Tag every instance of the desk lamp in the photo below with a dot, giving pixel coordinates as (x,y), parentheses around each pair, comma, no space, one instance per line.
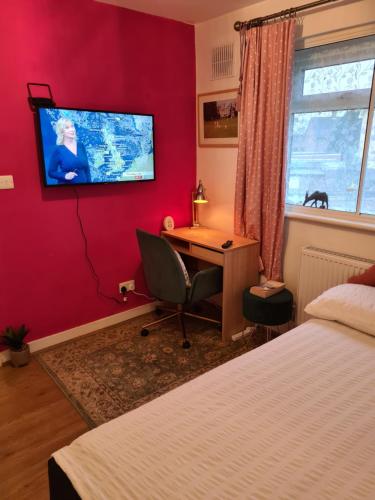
(198,197)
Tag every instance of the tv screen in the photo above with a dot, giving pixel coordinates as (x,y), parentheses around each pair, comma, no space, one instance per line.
(93,147)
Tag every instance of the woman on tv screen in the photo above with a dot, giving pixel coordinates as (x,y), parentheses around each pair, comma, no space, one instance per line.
(68,163)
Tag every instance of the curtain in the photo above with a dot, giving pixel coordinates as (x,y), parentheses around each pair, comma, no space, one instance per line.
(261,163)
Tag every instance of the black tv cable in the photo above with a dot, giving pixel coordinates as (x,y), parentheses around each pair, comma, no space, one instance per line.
(88,259)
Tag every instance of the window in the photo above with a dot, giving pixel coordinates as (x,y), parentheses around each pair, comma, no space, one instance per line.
(331,129)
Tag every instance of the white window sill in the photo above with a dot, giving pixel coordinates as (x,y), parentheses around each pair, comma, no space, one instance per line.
(331,217)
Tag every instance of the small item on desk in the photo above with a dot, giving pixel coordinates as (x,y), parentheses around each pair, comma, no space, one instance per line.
(168,223)
(267,289)
(227,244)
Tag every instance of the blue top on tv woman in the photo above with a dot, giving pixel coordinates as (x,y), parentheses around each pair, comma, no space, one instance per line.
(68,163)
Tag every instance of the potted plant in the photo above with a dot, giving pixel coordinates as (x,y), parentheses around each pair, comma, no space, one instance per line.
(14,339)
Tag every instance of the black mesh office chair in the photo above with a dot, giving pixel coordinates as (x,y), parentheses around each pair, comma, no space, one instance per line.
(166,280)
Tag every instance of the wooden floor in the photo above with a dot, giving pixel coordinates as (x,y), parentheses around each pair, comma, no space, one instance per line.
(35,420)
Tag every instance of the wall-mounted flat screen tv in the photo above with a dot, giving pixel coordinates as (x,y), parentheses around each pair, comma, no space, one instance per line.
(80,146)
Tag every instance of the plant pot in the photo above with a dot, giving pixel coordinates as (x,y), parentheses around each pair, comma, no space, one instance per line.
(21,357)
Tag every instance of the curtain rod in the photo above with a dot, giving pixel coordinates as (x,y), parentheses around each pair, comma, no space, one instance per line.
(288,12)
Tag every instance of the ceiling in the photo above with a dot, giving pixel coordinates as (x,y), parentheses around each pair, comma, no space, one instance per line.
(187,11)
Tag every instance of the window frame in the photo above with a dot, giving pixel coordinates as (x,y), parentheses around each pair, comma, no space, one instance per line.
(355,219)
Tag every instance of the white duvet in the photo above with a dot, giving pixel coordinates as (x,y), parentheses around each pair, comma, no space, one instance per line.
(293,419)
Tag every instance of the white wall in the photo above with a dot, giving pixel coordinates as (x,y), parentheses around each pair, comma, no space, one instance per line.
(217,166)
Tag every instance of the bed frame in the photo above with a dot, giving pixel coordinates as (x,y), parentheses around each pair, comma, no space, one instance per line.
(60,487)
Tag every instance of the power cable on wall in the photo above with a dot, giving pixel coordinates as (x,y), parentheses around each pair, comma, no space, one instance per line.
(88,259)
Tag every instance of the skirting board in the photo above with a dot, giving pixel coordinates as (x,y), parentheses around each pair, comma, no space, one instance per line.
(57,338)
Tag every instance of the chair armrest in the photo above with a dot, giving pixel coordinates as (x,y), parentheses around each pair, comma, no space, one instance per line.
(206,283)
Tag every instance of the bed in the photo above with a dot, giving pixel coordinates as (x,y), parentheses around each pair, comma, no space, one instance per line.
(292,419)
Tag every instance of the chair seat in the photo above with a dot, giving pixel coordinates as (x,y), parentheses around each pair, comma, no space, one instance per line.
(274,310)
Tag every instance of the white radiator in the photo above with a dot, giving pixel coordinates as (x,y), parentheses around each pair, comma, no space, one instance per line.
(323,269)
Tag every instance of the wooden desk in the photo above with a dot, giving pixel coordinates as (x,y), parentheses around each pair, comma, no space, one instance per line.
(239,262)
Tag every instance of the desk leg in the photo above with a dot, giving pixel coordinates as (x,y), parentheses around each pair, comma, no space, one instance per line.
(240,271)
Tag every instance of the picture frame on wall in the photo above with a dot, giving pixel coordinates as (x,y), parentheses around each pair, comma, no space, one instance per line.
(218,119)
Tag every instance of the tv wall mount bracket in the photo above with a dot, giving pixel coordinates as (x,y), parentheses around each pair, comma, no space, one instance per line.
(37,102)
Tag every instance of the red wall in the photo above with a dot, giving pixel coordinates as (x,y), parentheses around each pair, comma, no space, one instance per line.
(94,56)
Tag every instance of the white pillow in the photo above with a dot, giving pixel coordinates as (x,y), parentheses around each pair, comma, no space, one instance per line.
(349,304)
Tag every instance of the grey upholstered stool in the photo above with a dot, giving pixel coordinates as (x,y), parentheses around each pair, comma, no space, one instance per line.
(272,311)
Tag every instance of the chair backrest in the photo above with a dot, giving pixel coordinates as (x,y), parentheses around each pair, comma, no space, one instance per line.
(164,276)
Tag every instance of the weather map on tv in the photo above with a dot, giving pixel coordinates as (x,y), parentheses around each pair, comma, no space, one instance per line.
(94,147)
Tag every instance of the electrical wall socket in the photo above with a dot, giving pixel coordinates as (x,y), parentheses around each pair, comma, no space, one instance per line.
(129,285)
(6,182)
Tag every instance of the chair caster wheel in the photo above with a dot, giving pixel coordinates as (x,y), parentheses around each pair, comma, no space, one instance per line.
(186,344)
(158,311)
(144,332)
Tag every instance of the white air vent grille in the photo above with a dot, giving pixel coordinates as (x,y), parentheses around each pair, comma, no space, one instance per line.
(222,61)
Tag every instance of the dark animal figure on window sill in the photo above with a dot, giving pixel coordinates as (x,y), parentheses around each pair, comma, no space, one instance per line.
(315,197)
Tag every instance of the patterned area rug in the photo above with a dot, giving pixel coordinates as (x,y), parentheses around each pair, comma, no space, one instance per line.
(112,371)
